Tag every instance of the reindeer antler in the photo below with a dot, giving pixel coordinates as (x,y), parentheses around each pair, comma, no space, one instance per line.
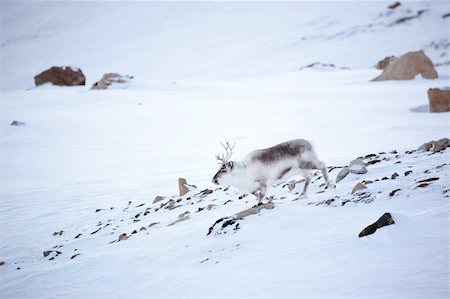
(228,152)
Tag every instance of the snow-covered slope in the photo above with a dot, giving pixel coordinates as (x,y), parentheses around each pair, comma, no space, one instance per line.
(206,72)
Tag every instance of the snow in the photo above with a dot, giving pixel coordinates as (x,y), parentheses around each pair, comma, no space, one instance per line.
(205,72)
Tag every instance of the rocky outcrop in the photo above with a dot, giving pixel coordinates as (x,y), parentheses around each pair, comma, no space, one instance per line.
(109,79)
(439,99)
(61,76)
(384,220)
(408,66)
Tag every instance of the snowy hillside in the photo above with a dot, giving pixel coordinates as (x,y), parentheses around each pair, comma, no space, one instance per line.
(78,180)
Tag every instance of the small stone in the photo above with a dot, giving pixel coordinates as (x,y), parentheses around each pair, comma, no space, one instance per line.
(394,5)
(358,187)
(123,237)
(423,185)
(18,123)
(2,263)
(408,172)
(46,253)
(74,256)
(394,175)
(393,192)
(357,166)
(158,198)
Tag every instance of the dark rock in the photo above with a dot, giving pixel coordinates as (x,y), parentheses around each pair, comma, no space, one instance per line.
(62,76)
(74,256)
(46,253)
(373,162)
(393,192)
(423,185)
(428,180)
(408,172)
(384,220)
(394,175)
(18,123)
(2,263)
(77,236)
(394,5)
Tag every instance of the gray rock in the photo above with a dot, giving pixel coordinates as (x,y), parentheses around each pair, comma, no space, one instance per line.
(441,144)
(357,166)
(342,174)
(18,123)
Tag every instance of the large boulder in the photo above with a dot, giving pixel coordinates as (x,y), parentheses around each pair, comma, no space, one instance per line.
(439,99)
(408,66)
(109,79)
(61,76)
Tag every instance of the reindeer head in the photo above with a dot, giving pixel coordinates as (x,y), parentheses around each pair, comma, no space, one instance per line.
(226,166)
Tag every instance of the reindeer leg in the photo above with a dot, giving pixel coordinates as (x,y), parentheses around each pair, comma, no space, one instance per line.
(307,175)
(322,167)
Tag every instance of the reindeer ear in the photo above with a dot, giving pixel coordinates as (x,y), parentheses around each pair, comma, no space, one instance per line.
(231,164)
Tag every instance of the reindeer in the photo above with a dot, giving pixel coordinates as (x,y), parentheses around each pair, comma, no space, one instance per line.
(264,166)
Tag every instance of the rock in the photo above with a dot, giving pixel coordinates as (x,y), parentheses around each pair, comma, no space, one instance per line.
(382,64)
(408,66)
(18,123)
(179,220)
(426,146)
(158,198)
(384,220)
(439,99)
(62,76)
(408,172)
(358,187)
(357,166)
(46,253)
(58,233)
(74,256)
(373,162)
(323,66)
(428,180)
(111,78)
(394,175)
(393,192)
(255,210)
(2,263)
(394,5)
(440,145)
(123,237)
(182,186)
(423,185)
(342,174)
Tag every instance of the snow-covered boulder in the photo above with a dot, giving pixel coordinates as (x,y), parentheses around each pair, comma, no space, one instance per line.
(111,79)
(357,166)
(62,76)
(408,66)
(439,99)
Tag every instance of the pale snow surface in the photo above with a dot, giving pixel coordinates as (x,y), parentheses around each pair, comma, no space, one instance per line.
(206,72)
